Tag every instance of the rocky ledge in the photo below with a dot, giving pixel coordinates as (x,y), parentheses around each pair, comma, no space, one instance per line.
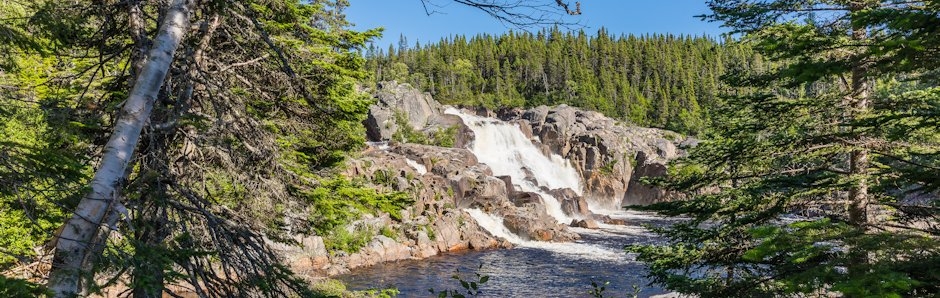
(610,155)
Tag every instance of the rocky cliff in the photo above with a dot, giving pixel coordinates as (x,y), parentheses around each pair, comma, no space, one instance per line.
(610,155)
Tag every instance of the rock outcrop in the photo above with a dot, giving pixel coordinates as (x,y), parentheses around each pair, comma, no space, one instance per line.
(420,110)
(605,152)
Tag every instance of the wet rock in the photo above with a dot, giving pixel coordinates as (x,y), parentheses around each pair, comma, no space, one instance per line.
(585,223)
(611,221)
(526,198)
(540,229)
(602,150)
(571,203)
(510,188)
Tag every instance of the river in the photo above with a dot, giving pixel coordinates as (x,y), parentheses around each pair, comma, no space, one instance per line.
(531,269)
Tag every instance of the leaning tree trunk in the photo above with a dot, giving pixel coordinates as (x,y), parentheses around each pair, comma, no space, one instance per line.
(75,242)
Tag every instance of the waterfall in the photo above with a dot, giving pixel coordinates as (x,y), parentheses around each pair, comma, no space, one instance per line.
(507,151)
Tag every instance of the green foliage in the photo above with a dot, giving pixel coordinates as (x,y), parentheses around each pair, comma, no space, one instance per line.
(331,288)
(45,139)
(341,239)
(470,287)
(651,80)
(388,232)
(597,290)
(803,184)
(11,287)
(262,108)
(444,137)
(608,168)
(430,231)
(406,133)
(337,201)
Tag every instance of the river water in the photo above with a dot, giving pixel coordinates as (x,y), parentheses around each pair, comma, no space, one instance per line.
(539,270)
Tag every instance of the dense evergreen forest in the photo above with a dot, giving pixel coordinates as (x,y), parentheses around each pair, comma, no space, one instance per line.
(658,80)
(160,146)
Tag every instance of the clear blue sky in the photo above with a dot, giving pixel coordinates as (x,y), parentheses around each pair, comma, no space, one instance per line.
(618,16)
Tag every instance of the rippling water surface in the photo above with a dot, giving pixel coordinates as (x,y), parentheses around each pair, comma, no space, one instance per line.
(530,270)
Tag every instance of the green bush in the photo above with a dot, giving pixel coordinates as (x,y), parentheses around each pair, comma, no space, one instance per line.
(338,201)
(388,232)
(341,239)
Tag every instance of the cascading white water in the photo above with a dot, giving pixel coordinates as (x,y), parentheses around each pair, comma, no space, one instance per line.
(494,225)
(507,151)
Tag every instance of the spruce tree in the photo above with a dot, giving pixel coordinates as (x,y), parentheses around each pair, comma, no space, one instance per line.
(795,189)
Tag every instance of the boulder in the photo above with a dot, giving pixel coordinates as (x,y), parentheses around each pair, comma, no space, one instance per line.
(585,223)
(424,246)
(418,107)
(611,221)
(380,124)
(639,193)
(541,228)
(571,203)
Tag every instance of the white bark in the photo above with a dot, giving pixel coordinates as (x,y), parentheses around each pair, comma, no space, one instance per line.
(78,235)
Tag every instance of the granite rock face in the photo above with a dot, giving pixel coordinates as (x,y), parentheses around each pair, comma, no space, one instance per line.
(418,107)
(610,156)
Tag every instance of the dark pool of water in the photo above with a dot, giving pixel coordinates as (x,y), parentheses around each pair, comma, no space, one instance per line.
(546,270)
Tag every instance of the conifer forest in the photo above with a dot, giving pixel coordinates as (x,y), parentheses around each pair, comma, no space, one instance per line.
(280,148)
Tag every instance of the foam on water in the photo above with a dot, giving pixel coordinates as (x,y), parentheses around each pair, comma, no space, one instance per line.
(420,168)
(494,225)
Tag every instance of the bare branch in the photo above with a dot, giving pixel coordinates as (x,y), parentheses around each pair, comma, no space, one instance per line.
(520,13)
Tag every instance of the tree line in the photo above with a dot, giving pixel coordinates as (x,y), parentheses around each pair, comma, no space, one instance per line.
(658,80)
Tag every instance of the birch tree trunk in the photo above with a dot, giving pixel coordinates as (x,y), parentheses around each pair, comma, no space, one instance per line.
(74,244)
